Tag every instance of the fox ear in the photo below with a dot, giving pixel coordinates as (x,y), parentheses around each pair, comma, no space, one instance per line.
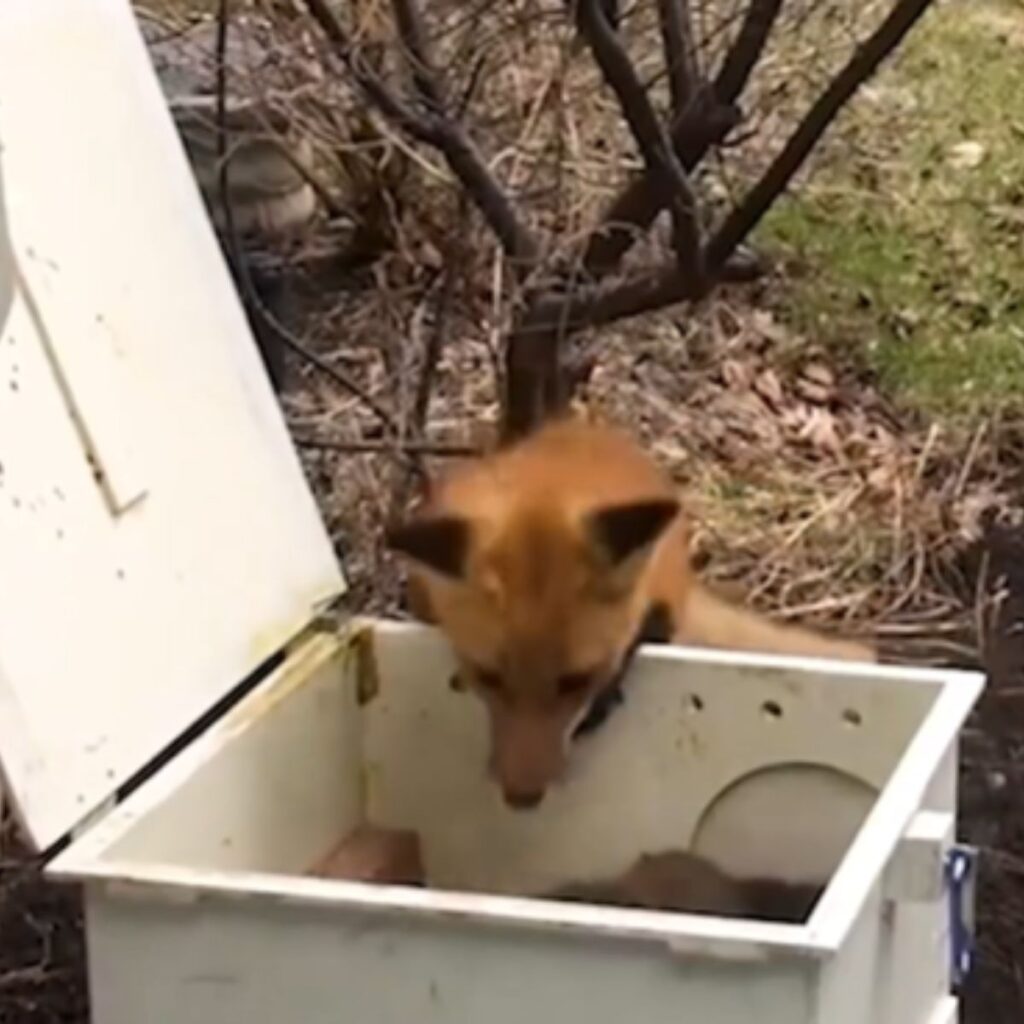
(439,543)
(620,532)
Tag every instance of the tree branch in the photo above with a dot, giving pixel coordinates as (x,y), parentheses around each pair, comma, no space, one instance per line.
(601,304)
(434,127)
(860,67)
(658,152)
(705,124)
(746,51)
(413,36)
(370,445)
(680,62)
(640,202)
(536,382)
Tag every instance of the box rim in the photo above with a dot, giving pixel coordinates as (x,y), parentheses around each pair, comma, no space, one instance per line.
(718,937)
(820,936)
(876,840)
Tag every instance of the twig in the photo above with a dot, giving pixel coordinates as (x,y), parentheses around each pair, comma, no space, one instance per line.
(705,123)
(413,36)
(861,66)
(370,445)
(709,118)
(677,41)
(432,350)
(659,154)
(237,257)
(535,384)
(434,127)
(602,304)
(746,51)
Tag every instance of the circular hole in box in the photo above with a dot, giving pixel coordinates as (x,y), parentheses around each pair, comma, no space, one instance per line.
(853,718)
(772,710)
(790,821)
(695,704)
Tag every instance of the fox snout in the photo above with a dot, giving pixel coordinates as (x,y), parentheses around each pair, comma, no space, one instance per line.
(528,755)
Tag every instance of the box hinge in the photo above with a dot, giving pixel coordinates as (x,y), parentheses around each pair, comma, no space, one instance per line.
(915,873)
(959,874)
(97,814)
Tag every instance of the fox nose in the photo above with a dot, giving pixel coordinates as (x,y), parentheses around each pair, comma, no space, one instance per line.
(523,800)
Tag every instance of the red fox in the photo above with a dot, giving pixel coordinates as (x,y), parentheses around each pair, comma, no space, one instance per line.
(546,564)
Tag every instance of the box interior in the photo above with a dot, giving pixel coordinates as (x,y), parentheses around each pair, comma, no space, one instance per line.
(767,770)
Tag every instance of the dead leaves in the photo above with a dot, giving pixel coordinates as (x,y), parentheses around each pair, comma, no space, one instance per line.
(760,402)
(819,430)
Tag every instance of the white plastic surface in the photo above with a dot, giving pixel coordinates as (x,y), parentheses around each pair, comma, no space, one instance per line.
(157,538)
(197,911)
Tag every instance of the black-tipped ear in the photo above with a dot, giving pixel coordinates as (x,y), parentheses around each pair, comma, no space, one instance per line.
(440,543)
(620,531)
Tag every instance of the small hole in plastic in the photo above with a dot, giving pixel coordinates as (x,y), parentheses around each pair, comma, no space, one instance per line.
(771,709)
(695,704)
(853,718)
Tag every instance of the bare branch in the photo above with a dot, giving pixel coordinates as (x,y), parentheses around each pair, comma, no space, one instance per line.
(365,78)
(537,382)
(861,66)
(658,152)
(640,202)
(236,257)
(374,445)
(746,51)
(413,36)
(680,62)
(705,124)
(433,127)
(649,290)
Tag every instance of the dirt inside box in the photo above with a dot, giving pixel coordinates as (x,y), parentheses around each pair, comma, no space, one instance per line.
(672,880)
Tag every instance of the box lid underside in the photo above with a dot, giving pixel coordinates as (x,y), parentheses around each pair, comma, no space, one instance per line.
(157,537)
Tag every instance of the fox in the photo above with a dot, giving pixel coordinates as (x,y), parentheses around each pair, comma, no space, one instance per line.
(546,564)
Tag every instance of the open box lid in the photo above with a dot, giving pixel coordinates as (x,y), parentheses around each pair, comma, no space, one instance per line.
(157,538)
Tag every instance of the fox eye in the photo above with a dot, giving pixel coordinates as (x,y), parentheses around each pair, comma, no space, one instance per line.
(487,679)
(573,683)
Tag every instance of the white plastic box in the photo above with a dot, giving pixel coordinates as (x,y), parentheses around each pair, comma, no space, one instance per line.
(158,544)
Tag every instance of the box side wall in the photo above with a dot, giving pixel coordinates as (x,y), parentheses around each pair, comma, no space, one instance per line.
(691,737)
(893,966)
(253,961)
(914,969)
(270,789)
(847,983)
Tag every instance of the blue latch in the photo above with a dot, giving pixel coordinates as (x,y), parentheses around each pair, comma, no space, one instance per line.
(959,872)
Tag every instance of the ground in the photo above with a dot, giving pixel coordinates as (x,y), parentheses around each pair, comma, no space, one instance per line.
(848,433)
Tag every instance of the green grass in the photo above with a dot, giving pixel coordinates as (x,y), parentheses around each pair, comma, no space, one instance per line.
(913,263)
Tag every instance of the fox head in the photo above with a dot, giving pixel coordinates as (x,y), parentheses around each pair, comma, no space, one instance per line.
(539,590)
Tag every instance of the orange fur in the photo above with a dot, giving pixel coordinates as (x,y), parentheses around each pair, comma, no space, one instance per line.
(540,563)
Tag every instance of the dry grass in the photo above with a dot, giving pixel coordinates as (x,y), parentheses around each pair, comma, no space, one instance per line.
(810,493)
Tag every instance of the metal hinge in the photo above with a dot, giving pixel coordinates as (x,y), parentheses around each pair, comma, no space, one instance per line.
(960,873)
